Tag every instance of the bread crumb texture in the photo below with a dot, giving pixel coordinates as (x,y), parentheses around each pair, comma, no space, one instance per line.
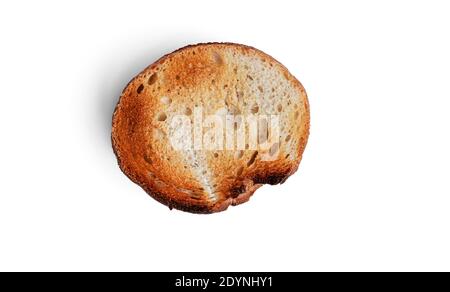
(221,79)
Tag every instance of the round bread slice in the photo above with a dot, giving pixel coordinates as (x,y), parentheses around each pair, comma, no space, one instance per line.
(167,125)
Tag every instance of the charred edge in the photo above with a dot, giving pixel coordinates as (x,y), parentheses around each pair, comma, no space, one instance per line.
(271,179)
(237,190)
(182,206)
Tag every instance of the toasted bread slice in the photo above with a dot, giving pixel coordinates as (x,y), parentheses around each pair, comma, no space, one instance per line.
(221,80)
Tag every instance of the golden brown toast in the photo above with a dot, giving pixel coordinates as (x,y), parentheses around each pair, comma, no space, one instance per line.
(221,80)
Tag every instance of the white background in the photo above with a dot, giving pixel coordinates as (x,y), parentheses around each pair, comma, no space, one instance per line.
(372,192)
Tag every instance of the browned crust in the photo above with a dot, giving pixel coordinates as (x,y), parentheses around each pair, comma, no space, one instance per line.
(239,191)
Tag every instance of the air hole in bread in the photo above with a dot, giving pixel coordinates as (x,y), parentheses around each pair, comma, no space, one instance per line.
(217,58)
(239,95)
(162,117)
(296,114)
(260,88)
(239,154)
(140,88)
(263,130)
(288,137)
(279,108)
(177,77)
(216,155)
(252,158)
(274,149)
(239,171)
(152,79)
(187,111)
(237,124)
(254,109)
(148,159)
(166,100)
(287,156)
(250,77)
